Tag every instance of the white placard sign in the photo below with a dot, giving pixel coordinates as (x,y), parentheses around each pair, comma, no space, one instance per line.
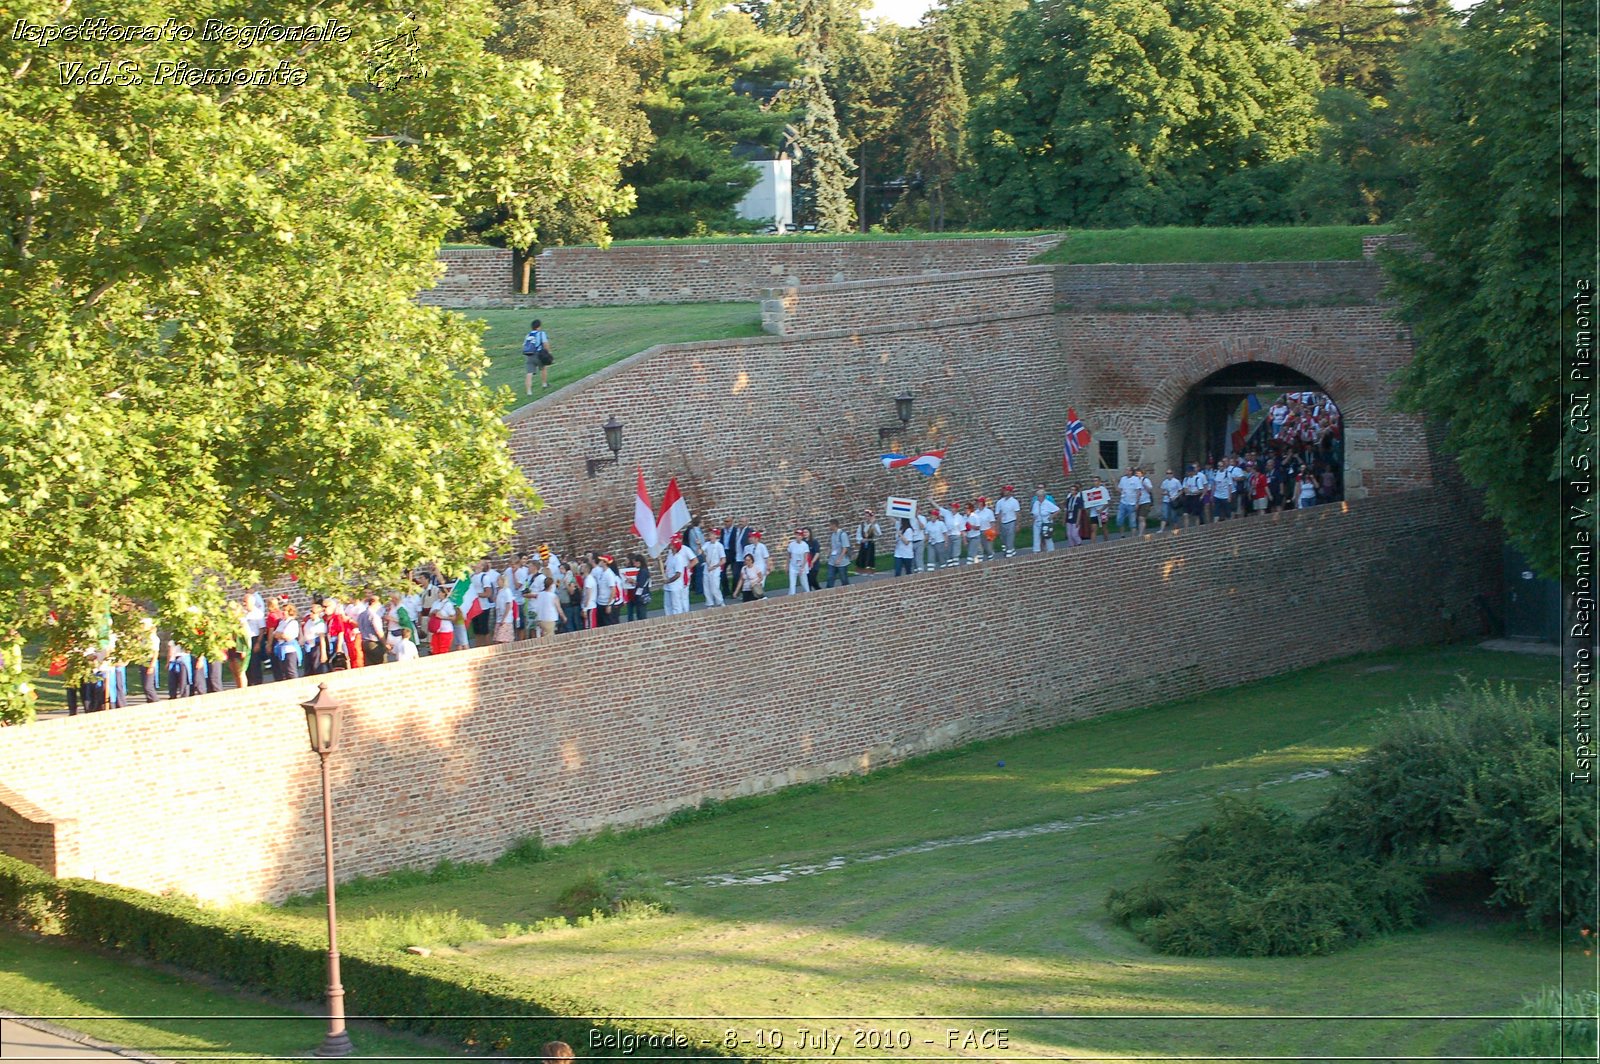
(898,507)
(1093,497)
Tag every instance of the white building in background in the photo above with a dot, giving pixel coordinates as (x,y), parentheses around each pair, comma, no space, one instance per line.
(772,198)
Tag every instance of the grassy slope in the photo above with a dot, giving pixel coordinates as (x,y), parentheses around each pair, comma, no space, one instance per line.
(1174,244)
(39,977)
(588,339)
(1015,926)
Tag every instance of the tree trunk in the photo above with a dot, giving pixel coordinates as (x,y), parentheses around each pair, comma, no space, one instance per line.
(861,188)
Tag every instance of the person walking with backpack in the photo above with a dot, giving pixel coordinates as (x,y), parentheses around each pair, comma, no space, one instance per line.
(536,354)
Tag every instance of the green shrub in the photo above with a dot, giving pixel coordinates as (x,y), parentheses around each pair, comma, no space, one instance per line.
(1253,882)
(470,1008)
(1537,1039)
(627,892)
(1476,781)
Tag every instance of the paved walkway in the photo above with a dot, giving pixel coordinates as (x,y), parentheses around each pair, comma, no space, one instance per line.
(38,1040)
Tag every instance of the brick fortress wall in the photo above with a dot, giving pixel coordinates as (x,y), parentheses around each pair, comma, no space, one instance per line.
(457,757)
(473,277)
(784,429)
(730,273)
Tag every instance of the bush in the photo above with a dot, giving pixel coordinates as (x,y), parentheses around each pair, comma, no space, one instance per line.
(1254,883)
(1537,1039)
(469,1008)
(625,892)
(1476,781)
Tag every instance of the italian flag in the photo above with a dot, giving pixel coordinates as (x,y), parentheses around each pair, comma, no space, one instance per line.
(469,604)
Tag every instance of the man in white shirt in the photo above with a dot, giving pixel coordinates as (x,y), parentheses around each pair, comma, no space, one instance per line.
(675,581)
(591,592)
(1171,502)
(1146,496)
(938,537)
(546,608)
(1006,511)
(1128,501)
(1044,510)
(979,521)
(714,556)
(255,619)
(919,542)
(955,530)
(1239,479)
(608,592)
(1222,492)
(1194,490)
(799,561)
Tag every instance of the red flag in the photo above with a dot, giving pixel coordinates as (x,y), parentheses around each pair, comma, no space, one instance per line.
(674,514)
(644,519)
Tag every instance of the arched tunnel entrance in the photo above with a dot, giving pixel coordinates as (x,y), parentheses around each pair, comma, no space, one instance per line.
(1264,411)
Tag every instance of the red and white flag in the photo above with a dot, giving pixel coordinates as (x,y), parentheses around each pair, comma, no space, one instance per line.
(644,518)
(674,514)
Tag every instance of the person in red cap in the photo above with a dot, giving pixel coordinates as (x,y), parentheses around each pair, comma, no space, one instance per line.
(675,579)
(1006,510)
(983,520)
(763,556)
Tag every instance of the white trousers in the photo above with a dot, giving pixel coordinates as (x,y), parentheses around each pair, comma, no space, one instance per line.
(676,598)
(712,586)
(797,577)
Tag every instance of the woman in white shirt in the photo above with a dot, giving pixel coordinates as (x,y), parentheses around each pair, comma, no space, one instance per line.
(505,614)
(905,551)
(443,627)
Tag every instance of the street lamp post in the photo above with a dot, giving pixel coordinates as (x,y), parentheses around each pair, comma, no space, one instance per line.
(322,721)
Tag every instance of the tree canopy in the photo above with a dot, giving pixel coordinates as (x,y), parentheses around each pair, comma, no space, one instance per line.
(209,350)
(1120,112)
(1504,219)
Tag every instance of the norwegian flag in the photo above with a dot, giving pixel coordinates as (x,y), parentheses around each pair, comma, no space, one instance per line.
(1076,440)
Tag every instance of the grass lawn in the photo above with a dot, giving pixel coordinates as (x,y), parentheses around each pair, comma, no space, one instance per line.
(76,987)
(588,339)
(1310,243)
(883,896)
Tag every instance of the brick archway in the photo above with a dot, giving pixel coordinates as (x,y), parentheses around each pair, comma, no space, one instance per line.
(1354,396)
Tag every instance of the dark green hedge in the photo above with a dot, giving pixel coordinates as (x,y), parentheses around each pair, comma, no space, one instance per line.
(429,998)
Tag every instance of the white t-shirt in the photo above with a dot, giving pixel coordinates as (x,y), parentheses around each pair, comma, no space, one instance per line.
(1195,484)
(591,589)
(1144,491)
(677,566)
(1128,488)
(402,648)
(1007,509)
(714,555)
(763,555)
(608,586)
(289,628)
(503,601)
(902,545)
(545,605)
(983,517)
(936,530)
(1171,488)
(314,628)
(445,610)
(797,554)
(1221,484)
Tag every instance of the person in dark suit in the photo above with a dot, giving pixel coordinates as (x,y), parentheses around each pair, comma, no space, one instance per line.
(735,537)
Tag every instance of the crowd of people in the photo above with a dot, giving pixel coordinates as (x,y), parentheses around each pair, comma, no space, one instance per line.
(538,595)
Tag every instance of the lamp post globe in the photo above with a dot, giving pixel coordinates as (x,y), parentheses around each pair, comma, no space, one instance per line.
(322,727)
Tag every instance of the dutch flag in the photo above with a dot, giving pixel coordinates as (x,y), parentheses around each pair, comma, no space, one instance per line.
(926,463)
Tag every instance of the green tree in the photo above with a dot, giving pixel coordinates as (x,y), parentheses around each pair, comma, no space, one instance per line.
(1119,112)
(209,348)
(934,117)
(822,162)
(1504,218)
(868,96)
(702,96)
(588,43)
(978,28)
